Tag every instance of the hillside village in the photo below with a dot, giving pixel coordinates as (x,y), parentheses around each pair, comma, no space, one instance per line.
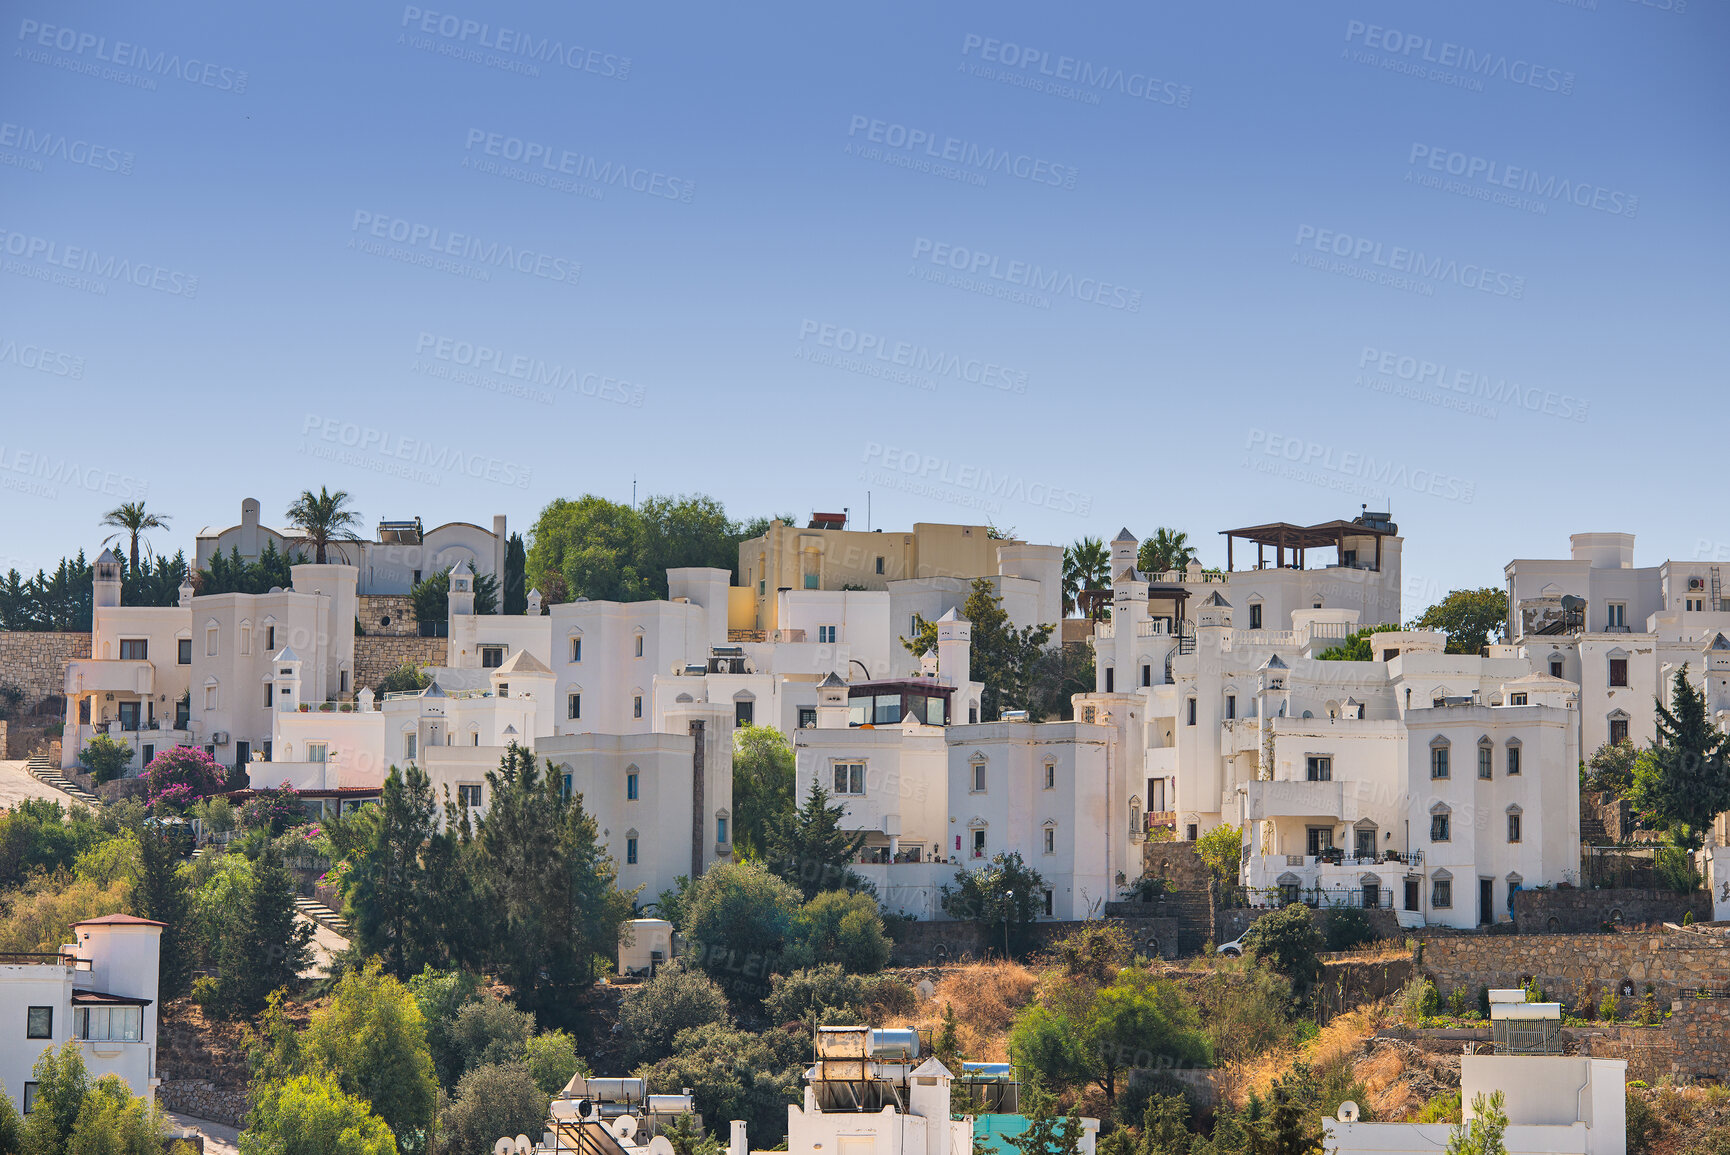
(647,831)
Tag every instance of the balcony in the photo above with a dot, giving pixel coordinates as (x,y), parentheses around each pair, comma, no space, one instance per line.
(110,676)
(1287,798)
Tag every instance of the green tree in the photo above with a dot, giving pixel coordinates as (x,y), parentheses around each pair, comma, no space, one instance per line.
(589,548)
(372,1039)
(1168,549)
(762,784)
(1611,768)
(739,916)
(675,999)
(11,1125)
(735,1074)
(441,995)
(234,575)
(826,995)
(1222,850)
(1049,1131)
(1140,1020)
(1086,574)
(808,848)
(1287,941)
(406,678)
(1290,1128)
(62,1085)
(1470,618)
(324,519)
(1004,894)
(156,584)
(161,892)
(312,1115)
(551,886)
(1482,1134)
(1047,1045)
(492,1100)
(841,927)
(266,949)
(114,1121)
(490,1030)
(131,519)
(552,1060)
(1357,647)
(1683,782)
(431,595)
(516,592)
(1055,675)
(390,901)
(1005,659)
(105,758)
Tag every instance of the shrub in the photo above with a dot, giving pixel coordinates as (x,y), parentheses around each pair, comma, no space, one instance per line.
(274,810)
(1442,1108)
(1417,1001)
(828,993)
(842,927)
(1642,1121)
(489,1031)
(1675,869)
(105,758)
(1247,1010)
(739,916)
(491,1100)
(653,1014)
(1287,941)
(1349,927)
(1094,951)
(552,1060)
(1458,1001)
(1608,1007)
(182,776)
(405,678)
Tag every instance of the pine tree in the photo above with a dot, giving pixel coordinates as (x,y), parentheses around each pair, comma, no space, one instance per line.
(162,894)
(388,896)
(270,948)
(1683,782)
(809,849)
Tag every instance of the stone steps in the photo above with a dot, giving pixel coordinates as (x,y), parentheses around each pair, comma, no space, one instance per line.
(323,915)
(46,773)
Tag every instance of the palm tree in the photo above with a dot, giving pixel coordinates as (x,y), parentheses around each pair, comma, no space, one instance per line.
(132,520)
(322,520)
(1086,566)
(1166,550)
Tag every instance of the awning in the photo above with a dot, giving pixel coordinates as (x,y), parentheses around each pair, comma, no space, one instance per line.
(103,999)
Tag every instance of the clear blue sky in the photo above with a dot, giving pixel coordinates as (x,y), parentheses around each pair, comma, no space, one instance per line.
(808,179)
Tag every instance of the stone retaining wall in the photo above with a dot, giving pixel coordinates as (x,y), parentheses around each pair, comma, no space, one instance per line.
(36,662)
(927,943)
(1574,911)
(1579,968)
(374,657)
(202,1101)
(399,608)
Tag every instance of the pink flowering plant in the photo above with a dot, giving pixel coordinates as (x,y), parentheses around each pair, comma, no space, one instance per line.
(274,810)
(181,777)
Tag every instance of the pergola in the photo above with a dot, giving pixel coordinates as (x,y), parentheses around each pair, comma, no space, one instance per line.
(1283,535)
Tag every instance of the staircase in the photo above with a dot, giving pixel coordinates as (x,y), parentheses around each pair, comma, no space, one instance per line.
(46,773)
(323,915)
(1194,913)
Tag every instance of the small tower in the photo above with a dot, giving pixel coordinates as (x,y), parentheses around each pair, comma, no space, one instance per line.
(954,649)
(832,703)
(534,610)
(108,569)
(285,674)
(461,598)
(186,592)
(1214,611)
(1125,551)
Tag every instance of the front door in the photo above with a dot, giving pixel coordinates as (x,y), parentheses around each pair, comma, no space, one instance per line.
(1411,894)
(242,754)
(1367,844)
(1372,895)
(129,715)
(1486,901)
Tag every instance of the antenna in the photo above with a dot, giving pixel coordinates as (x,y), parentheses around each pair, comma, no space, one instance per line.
(634,491)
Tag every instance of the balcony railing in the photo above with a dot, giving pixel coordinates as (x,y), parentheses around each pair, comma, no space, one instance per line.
(1320,897)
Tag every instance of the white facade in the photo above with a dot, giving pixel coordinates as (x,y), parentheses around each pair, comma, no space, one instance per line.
(100,991)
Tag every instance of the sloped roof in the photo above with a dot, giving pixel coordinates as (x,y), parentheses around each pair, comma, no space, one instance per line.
(119,920)
(1274,663)
(831,681)
(1123,535)
(523,662)
(434,690)
(1719,643)
(108,557)
(1214,599)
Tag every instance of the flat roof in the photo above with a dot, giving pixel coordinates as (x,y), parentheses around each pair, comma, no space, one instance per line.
(1284,533)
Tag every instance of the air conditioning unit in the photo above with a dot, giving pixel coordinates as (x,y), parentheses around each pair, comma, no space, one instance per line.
(1696,583)
(220,738)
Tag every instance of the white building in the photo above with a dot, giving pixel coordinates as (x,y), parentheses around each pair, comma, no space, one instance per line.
(99,991)
(1555,1105)
(400,555)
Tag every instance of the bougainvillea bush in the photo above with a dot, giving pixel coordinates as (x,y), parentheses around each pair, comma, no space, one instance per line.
(273,810)
(182,776)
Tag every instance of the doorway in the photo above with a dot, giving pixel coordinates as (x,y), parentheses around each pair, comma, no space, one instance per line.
(1486,901)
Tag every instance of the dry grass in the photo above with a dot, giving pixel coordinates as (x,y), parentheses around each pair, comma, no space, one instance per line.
(1341,1038)
(986,998)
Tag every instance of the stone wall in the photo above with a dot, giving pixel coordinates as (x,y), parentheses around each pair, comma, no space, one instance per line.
(928,943)
(201,1076)
(1579,968)
(1574,911)
(374,609)
(374,657)
(1650,1052)
(36,662)
(1700,1032)
(1609,820)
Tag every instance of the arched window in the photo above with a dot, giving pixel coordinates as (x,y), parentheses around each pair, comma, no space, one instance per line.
(1439,748)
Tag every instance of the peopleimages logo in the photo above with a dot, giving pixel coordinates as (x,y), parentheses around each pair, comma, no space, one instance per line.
(37,474)
(1408,263)
(974,263)
(1314,458)
(917,359)
(41,360)
(912,467)
(364,439)
(87,45)
(1475,170)
(1465,67)
(931,146)
(534,373)
(87,269)
(1069,76)
(58,146)
(553,162)
(513,42)
(1424,374)
(431,242)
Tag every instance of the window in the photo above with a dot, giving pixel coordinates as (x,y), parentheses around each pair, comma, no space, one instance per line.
(807,717)
(182,713)
(1618,671)
(564,783)
(1191,714)
(1616,613)
(1439,828)
(811,581)
(270,638)
(504,689)
(973,715)
(639,645)
(1319,768)
(1189,832)
(269,693)
(408,746)
(1366,842)
(108,1024)
(1518,700)
(1110,680)
(1555,667)
(1230,706)
(978,777)
(39,1023)
(245,640)
(879,565)
(342,681)
(1048,904)
(1513,828)
(1513,760)
(849,777)
(720,829)
(469,796)
(1439,761)
(630,851)
(210,698)
(1319,840)
(826,635)
(574,707)
(637,706)
(979,844)
(1618,730)
(1050,840)
(317,751)
(1146,674)
(576,649)
(1485,769)
(210,642)
(1051,775)
(134,649)
(1255,617)
(743,712)
(184,645)
(631,786)
(1442,893)
(492,657)
(29,1097)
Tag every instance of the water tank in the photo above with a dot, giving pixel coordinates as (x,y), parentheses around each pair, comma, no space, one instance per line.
(615,1090)
(670,1105)
(895,1044)
(988,1072)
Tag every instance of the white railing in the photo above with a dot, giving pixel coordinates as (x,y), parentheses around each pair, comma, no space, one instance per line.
(1104,631)
(1159,628)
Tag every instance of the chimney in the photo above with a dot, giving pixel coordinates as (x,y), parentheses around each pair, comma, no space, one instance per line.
(954,649)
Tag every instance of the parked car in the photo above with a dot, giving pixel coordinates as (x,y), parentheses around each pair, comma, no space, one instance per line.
(1232,949)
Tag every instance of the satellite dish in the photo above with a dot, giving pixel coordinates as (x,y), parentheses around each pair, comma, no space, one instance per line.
(504,1146)
(660,1145)
(625,1127)
(1348,1112)
(525,1145)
